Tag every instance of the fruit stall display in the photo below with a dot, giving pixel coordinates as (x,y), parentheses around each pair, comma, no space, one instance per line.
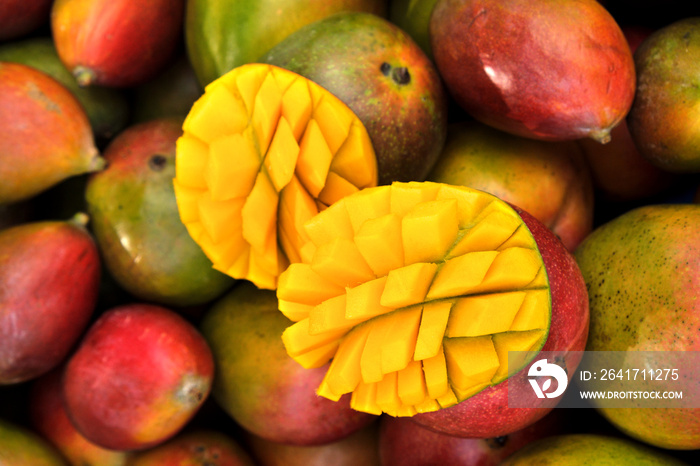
(310,232)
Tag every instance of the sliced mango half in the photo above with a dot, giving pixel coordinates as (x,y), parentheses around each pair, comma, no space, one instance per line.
(417,292)
(263,150)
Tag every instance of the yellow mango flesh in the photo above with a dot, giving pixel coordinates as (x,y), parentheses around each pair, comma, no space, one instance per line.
(426,288)
(262,152)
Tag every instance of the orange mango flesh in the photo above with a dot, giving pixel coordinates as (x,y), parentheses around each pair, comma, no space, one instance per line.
(415,293)
(262,152)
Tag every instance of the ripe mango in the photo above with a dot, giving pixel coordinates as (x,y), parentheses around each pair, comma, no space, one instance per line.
(45,135)
(415,293)
(134,217)
(642,271)
(222,35)
(116,43)
(386,80)
(49,279)
(107,109)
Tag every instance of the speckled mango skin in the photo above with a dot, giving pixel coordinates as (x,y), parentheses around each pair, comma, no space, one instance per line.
(642,271)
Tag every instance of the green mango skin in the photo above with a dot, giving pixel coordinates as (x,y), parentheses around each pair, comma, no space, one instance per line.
(136,223)
(378,71)
(107,109)
(663,118)
(642,271)
(22,447)
(223,34)
(264,390)
(589,449)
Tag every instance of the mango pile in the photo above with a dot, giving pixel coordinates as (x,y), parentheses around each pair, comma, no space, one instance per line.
(296,232)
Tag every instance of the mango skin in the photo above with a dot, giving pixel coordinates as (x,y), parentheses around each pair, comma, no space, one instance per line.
(223,34)
(134,217)
(49,280)
(138,376)
(48,417)
(107,109)
(196,447)
(45,135)
(20,446)
(259,385)
(548,179)
(662,120)
(116,43)
(642,272)
(589,449)
(547,70)
(384,77)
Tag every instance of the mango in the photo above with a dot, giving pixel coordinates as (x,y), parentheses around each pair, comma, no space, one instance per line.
(548,179)
(116,43)
(49,418)
(49,279)
(386,80)
(45,135)
(196,447)
(642,271)
(20,446)
(264,390)
(137,377)
(107,109)
(262,151)
(409,357)
(224,34)
(584,449)
(545,70)
(135,220)
(667,69)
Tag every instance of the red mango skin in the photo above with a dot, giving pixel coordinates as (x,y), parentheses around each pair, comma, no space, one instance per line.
(619,170)
(139,375)
(49,281)
(48,417)
(45,134)
(358,448)
(195,448)
(407,443)
(547,69)
(548,179)
(263,389)
(116,43)
(486,414)
(20,446)
(20,17)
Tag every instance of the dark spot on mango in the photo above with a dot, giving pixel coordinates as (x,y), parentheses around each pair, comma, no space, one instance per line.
(157,162)
(401,76)
(385,68)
